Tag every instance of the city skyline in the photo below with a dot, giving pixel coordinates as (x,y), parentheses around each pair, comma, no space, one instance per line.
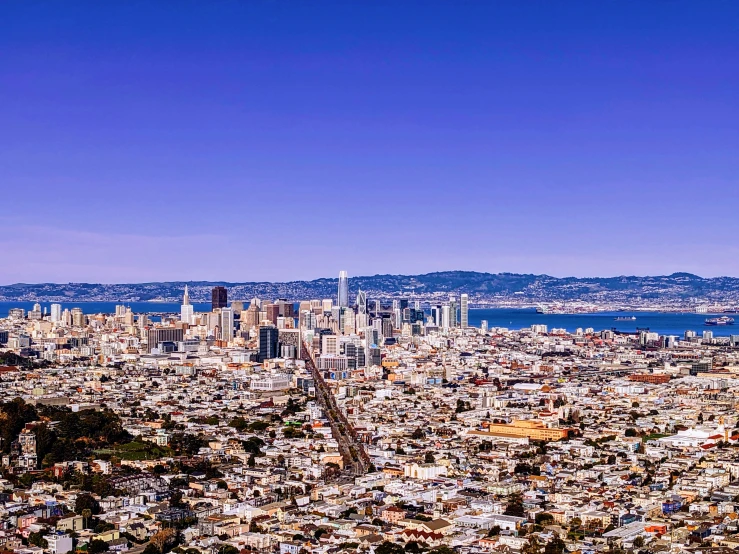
(547,138)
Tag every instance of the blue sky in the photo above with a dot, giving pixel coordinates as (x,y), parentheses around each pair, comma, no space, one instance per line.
(287,140)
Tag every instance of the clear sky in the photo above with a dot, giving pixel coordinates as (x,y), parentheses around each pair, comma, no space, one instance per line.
(279,140)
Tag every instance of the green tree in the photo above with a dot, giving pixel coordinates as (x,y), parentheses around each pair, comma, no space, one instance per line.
(443,549)
(37,539)
(86,502)
(388,547)
(97,546)
(555,546)
(515,506)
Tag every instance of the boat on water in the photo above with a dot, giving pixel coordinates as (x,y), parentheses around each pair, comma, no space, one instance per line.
(542,309)
(723,320)
(625,318)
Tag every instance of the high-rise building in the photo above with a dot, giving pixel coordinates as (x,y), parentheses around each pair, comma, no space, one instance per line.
(272,311)
(219,298)
(251,318)
(445,316)
(186,310)
(464,311)
(56,313)
(163,334)
(343,295)
(453,307)
(227,324)
(268,342)
(78,317)
(361,302)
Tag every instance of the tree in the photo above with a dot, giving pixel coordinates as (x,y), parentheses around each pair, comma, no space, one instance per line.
(555,546)
(544,518)
(443,549)
(37,539)
(494,531)
(388,547)
(630,432)
(97,546)
(86,514)
(86,502)
(429,458)
(639,541)
(228,549)
(532,547)
(418,434)
(515,506)
(163,538)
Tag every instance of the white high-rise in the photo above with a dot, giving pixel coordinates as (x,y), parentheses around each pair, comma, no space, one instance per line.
(343,295)
(227,324)
(464,311)
(186,310)
(445,317)
(361,302)
(56,313)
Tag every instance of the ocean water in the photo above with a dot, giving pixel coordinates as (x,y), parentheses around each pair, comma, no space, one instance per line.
(664,323)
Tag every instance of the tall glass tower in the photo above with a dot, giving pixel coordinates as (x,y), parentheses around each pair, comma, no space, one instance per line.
(343,289)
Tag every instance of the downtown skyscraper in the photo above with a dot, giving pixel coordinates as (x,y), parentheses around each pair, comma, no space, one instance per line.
(464,311)
(343,293)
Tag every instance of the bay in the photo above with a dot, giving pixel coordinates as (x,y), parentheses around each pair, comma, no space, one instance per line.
(664,323)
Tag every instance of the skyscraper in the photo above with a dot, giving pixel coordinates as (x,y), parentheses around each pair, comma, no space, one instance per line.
(464,311)
(343,296)
(361,302)
(268,342)
(227,324)
(453,311)
(56,313)
(219,298)
(186,310)
(272,311)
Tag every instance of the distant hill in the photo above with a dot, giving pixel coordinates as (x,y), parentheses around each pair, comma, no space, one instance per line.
(482,287)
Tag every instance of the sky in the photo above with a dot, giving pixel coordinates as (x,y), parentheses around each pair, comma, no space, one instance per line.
(276,140)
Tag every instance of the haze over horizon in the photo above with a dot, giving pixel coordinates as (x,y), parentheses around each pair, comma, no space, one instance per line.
(277,141)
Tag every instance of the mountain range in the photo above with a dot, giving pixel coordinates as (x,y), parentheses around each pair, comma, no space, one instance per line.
(482,288)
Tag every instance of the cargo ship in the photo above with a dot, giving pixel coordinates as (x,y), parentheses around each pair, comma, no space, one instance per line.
(626,318)
(723,320)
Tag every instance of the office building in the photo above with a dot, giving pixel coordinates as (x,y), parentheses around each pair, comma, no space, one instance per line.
(56,313)
(78,317)
(453,311)
(343,293)
(219,298)
(361,302)
(268,342)
(186,310)
(464,311)
(156,336)
(272,312)
(227,324)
